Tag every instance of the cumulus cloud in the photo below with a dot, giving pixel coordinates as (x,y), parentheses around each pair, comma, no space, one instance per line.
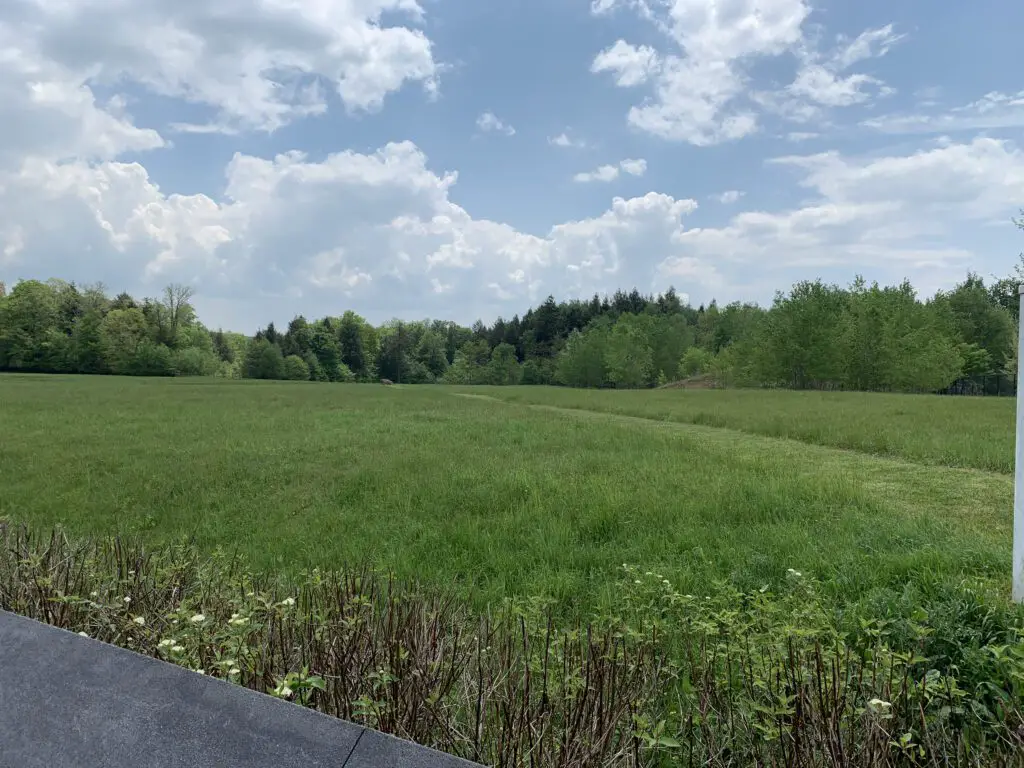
(488,122)
(892,216)
(611,172)
(700,83)
(254,64)
(353,230)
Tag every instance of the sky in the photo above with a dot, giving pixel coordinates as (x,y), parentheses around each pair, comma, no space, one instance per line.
(463,159)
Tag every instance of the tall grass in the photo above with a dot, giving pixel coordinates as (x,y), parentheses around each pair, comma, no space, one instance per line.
(949,431)
(496,500)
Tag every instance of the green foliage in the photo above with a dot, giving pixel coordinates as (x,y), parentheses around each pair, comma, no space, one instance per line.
(263,360)
(663,677)
(194,361)
(582,362)
(816,336)
(295,368)
(504,369)
(628,353)
(695,362)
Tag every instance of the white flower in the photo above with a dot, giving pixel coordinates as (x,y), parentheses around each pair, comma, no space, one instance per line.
(127,599)
(879,705)
(637,581)
(165,643)
(289,601)
(198,619)
(234,671)
(177,649)
(94,593)
(200,671)
(283,691)
(140,620)
(84,634)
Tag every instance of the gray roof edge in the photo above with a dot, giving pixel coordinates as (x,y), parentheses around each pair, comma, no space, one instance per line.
(72,700)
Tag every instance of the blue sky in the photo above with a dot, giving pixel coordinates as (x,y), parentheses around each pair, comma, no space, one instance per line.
(459,159)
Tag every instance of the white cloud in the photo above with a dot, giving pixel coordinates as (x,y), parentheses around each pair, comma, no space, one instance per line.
(695,90)
(797,136)
(820,79)
(293,235)
(729,196)
(894,216)
(256,64)
(992,111)
(634,167)
(602,173)
(488,122)
(611,172)
(870,44)
(632,65)
(701,91)
(563,140)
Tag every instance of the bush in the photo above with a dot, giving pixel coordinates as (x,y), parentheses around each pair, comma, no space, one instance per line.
(662,678)
(193,361)
(295,368)
(263,360)
(151,359)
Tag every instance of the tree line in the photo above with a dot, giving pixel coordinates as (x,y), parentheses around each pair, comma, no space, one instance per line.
(816,335)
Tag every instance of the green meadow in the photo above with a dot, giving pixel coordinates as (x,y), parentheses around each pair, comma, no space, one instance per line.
(525,491)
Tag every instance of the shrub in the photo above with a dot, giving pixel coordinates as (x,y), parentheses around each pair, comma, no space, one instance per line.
(660,679)
(295,368)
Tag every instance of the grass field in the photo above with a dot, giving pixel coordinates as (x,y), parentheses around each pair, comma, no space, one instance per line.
(950,431)
(500,497)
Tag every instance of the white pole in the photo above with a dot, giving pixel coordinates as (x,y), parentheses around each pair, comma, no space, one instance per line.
(1018,481)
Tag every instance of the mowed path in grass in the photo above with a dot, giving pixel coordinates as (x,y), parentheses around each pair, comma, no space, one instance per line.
(942,430)
(494,498)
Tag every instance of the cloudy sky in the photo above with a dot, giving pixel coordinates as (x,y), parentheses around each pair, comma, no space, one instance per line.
(465,158)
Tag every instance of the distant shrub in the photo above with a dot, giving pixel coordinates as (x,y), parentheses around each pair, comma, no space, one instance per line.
(295,368)
(193,361)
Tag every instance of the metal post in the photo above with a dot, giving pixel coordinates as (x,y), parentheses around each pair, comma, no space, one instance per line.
(1018,475)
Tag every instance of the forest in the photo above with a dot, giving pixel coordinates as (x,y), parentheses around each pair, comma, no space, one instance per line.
(816,335)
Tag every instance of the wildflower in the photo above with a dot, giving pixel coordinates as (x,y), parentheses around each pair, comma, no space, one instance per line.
(283,691)
(165,643)
(879,707)
(127,599)
(289,601)
(140,620)
(234,671)
(94,593)
(84,634)
(177,649)
(198,619)
(200,671)
(791,572)
(637,581)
